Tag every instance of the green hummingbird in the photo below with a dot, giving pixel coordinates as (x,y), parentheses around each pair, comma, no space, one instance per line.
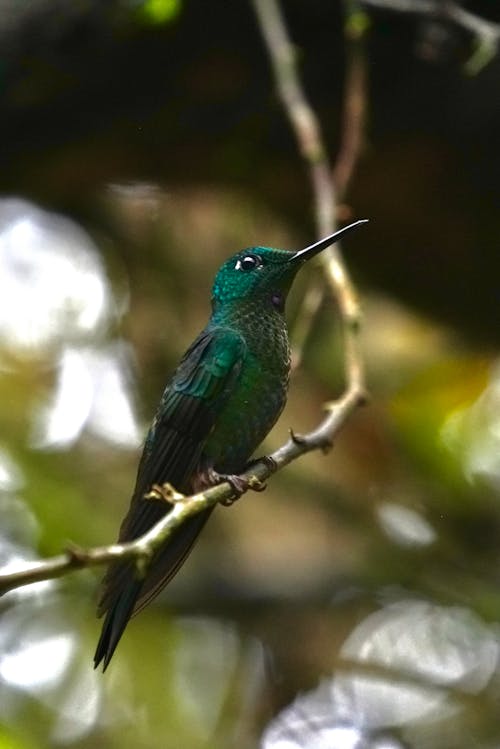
(225,395)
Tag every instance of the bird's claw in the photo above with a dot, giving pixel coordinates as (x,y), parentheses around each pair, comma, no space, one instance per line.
(239,486)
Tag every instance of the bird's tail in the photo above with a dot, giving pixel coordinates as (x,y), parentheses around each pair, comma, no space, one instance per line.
(115,622)
(124,594)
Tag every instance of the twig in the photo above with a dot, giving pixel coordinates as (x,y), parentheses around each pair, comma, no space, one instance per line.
(306,316)
(183,507)
(486,33)
(308,134)
(309,137)
(355,100)
(327,191)
(302,117)
(443,9)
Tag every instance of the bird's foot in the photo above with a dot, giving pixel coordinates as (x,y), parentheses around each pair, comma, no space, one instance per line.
(255,483)
(211,477)
(165,493)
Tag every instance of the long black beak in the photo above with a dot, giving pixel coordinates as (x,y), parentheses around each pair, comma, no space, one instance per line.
(314,249)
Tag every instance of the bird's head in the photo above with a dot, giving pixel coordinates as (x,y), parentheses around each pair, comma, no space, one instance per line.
(264,273)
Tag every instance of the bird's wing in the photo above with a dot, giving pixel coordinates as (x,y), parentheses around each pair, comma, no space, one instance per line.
(187,413)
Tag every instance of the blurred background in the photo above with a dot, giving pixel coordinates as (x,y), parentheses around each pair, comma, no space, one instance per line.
(356,602)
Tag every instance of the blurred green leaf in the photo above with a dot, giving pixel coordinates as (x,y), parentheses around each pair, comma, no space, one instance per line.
(421,410)
(11,740)
(158,12)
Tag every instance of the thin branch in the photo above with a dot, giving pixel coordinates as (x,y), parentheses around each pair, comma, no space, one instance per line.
(306,316)
(309,137)
(308,134)
(355,101)
(301,115)
(486,33)
(406,6)
(327,191)
(182,507)
(443,9)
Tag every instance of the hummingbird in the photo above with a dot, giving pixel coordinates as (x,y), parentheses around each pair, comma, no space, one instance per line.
(222,400)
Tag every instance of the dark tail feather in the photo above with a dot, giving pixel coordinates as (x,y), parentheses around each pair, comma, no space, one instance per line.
(125,595)
(115,622)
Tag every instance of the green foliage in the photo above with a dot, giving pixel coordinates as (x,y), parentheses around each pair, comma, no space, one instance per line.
(157,12)
(425,408)
(13,740)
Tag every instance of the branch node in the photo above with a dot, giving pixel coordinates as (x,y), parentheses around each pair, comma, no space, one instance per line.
(270,463)
(142,562)
(362,398)
(355,319)
(297,439)
(326,445)
(357,25)
(165,493)
(256,484)
(76,555)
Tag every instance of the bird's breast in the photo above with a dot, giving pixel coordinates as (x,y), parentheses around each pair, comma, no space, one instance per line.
(259,394)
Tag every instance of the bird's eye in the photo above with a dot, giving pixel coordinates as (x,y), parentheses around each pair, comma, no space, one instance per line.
(249,262)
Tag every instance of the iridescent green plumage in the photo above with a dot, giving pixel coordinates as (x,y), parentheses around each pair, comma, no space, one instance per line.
(222,400)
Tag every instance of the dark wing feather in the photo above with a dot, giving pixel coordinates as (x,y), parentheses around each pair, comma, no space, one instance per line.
(186,415)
